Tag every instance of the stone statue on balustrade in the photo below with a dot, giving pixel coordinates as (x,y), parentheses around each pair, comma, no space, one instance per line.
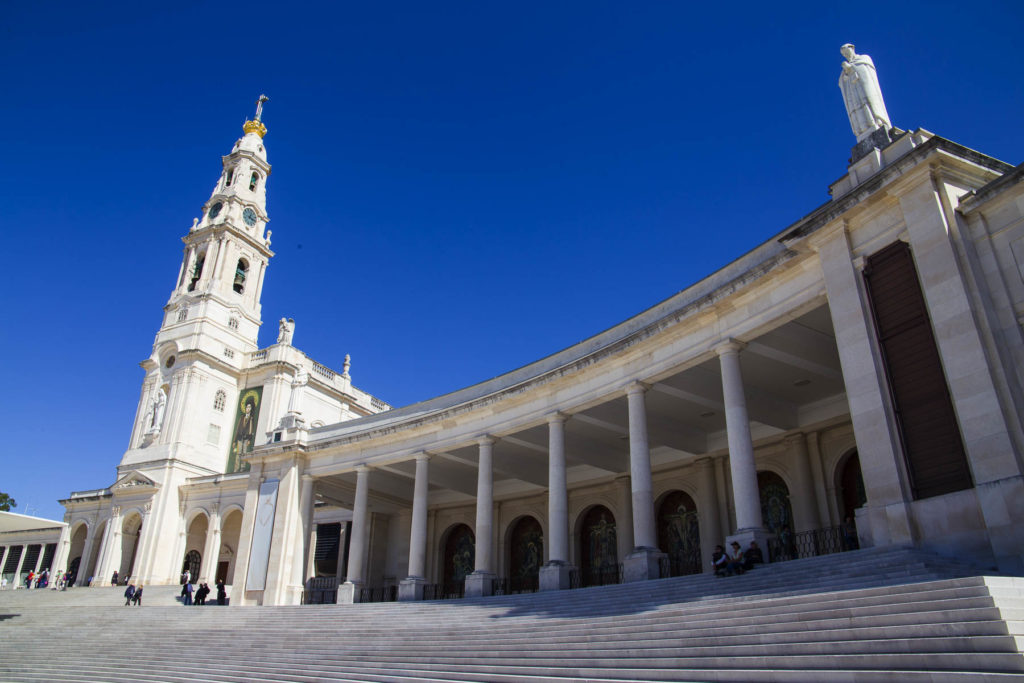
(862,94)
(286,331)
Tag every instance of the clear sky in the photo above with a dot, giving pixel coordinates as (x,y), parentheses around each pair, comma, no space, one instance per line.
(458,189)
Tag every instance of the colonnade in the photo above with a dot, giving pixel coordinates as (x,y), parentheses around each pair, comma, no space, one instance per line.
(641,563)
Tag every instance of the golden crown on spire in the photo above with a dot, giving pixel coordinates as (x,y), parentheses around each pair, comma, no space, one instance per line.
(256,126)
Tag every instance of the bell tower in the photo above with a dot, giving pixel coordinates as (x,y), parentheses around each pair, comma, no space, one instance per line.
(228,249)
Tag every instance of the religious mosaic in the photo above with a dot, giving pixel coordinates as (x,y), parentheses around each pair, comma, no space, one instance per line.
(244,435)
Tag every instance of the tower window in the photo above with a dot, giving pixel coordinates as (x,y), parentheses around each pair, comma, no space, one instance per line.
(254,180)
(233,323)
(197,271)
(241,271)
(219,399)
(182,314)
(229,178)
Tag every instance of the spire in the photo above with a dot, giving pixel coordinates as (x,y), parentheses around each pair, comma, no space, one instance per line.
(256,125)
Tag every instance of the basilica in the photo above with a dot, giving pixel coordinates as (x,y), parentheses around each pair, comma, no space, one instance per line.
(856,380)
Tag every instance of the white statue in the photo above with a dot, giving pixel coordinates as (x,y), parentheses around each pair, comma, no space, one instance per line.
(861,94)
(298,388)
(286,330)
(155,414)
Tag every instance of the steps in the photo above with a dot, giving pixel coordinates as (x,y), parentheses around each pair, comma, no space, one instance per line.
(886,615)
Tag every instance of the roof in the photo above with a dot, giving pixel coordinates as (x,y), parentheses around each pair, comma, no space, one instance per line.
(12,521)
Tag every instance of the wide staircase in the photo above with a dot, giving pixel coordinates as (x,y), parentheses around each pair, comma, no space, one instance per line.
(869,615)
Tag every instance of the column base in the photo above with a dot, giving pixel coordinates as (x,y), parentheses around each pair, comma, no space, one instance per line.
(643,564)
(411,589)
(745,536)
(348,592)
(479,585)
(554,576)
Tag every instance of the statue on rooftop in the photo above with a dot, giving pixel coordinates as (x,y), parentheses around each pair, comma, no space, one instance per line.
(862,94)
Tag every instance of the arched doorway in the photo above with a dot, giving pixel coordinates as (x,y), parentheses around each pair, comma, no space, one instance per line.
(230,530)
(777,515)
(851,494)
(599,558)
(526,554)
(193,560)
(459,559)
(850,486)
(195,541)
(87,567)
(75,551)
(679,533)
(131,529)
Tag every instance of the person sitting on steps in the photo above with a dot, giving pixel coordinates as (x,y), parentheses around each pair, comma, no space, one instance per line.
(735,562)
(752,556)
(720,561)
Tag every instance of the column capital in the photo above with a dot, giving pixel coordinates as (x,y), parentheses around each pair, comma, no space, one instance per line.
(636,387)
(362,467)
(486,440)
(557,416)
(422,455)
(794,438)
(307,477)
(729,346)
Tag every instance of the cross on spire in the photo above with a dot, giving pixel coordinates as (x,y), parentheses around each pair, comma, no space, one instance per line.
(259,106)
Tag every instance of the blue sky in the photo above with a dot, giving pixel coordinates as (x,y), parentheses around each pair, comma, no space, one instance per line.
(458,188)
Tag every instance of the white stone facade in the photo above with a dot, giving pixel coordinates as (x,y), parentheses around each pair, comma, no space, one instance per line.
(757,404)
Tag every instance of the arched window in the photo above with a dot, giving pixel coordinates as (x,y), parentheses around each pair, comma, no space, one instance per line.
(233,323)
(459,557)
(229,178)
(192,562)
(219,399)
(241,271)
(599,555)
(197,271)
(182,315)
(679,533)
(254,180)
(526,555)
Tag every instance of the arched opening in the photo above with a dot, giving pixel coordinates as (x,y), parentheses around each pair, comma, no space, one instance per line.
(76,549)
(197,271)
(195,542)
(229,177)
(219,399)
(241,272)
(88,566)
(599,558)
(525,556)
(679,533)
(459,559)
(254,180)
(230,530)
(131,529)
(777,515)
(193,561)
(850,486)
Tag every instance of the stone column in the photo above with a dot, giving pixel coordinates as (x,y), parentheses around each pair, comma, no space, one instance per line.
(481,581)
(83,566)
(245,534)
(804,497)
(60,557)
(643,562)
(3,557)
(211,549)
(746,496)
(411,588)
(288,543)
(624,520)
(348,592)
(555,574)
(17,571)
(707,504)
(109,547)
(307,501)
(867,393)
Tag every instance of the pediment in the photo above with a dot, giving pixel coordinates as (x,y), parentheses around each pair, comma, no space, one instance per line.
(132,480)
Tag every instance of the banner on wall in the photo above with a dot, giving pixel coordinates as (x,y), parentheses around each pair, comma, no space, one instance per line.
(263,531)
(243,437)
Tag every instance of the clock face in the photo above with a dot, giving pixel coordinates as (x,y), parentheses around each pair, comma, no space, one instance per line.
(215,210)
(249,216)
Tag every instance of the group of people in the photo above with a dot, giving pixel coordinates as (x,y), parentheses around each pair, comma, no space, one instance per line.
(132,594)
(736,561)
(187,590)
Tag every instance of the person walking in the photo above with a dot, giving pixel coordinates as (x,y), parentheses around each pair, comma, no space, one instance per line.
(113,579)
(129,593)
(222,593)
(137,598)
(186,593)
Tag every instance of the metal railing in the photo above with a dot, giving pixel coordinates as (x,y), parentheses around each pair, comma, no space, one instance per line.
(322,590)
(516,585)
(598,576)
(378,594)
(446,591)
(793,546)
(680,565)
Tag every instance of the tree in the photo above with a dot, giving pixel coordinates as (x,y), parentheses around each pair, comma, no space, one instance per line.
(6,502)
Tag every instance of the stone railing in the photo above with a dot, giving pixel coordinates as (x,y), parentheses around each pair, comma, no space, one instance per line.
(257,356)
(323,371)
(378,404)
